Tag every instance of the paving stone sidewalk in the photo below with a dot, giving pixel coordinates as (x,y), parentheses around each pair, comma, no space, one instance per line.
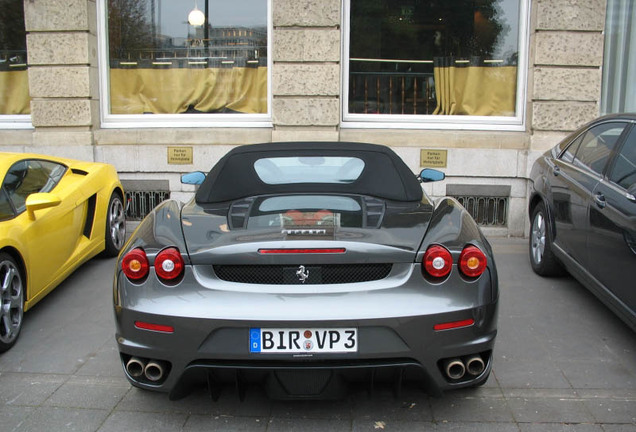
(563,362)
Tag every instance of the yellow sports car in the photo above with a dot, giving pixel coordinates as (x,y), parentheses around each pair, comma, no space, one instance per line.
(55,214)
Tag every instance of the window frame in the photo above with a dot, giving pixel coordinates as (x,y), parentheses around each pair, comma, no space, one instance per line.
(12,121)
(128,121)
(445,122)
(16,121)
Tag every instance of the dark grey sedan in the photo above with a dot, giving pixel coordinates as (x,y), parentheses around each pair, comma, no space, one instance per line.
(583,211)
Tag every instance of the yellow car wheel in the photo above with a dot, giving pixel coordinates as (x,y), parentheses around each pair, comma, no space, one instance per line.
(115,225)
(11,301)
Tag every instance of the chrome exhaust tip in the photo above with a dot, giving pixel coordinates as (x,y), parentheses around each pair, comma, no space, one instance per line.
(135,367)
(154,370)
(475,365)
(454,369)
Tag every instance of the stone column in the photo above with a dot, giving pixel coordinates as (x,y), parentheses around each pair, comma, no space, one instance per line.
(306,75)
(63,79)
(568,54)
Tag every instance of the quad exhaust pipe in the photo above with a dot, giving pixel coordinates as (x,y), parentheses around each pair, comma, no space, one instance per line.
(135,367)
(151,370)
(456,368)
(475,365)
(154,370)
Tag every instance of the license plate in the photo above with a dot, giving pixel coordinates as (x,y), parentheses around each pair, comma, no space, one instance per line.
(297,340)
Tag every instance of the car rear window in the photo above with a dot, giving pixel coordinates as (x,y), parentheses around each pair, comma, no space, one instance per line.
(309,169)
(306,211)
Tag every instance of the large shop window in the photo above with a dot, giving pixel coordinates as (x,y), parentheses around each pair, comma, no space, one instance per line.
(14,87)
(619,62)
(457,62)
(186,61)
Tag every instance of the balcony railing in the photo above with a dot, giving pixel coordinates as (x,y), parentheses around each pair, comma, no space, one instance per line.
(391,93)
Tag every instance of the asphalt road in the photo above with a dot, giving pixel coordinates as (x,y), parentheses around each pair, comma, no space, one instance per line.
(563,362)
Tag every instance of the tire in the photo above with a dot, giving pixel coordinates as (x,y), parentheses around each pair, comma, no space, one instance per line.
(11,301)
(542,258)
(115,236)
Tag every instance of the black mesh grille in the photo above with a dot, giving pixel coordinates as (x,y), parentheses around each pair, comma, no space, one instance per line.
(314,275)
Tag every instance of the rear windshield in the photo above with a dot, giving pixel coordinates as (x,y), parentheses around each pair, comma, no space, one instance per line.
(306,211)
(308,169)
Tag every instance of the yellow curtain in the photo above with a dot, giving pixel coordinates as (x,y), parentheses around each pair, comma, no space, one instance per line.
(14,92)
(475,90)
(177,90)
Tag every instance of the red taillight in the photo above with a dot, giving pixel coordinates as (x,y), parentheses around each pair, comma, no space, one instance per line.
(135,264)
(169,264)
(454,324)
(438,261)
(472,261)
(154,327)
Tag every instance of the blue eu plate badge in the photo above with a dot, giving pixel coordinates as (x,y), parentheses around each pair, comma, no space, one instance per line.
(255,340)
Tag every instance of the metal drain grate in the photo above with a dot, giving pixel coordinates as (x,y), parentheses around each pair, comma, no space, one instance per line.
(487,204)
(487,211)
(140,203)
(144,195)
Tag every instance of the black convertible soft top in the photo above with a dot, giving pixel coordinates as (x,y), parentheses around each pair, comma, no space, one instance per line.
(385,175)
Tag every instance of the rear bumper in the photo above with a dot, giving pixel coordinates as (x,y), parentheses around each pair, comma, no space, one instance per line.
(392,351)
(210,342)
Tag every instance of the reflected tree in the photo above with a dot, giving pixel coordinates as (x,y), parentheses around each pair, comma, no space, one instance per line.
(12,32)
(129,29)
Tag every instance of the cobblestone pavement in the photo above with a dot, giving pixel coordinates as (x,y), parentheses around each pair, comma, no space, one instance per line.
(563,362)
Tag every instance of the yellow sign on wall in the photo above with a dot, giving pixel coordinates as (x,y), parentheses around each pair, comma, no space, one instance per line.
(433,158)
(180,156)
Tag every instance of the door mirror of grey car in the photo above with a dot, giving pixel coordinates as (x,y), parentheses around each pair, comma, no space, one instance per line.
(428,175)
(193,178)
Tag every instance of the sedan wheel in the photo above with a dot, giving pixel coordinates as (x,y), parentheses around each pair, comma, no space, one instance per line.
(542,258)
(11,302)
(115,225)
(537,238)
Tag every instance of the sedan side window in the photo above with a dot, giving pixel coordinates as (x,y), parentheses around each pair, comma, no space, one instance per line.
(568,154)
(30,176)
(597,145)
(624,171)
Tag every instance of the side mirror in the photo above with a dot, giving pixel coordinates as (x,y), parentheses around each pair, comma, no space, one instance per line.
(39,201)
(428,175)
(193,178)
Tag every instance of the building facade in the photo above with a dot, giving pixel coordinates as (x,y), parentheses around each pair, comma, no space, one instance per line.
(476,89)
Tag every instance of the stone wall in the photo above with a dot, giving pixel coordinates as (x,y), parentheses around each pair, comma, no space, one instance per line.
(563,92)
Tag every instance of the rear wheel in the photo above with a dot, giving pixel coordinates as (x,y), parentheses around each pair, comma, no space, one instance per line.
(542,258)
(11,301)
(115,225)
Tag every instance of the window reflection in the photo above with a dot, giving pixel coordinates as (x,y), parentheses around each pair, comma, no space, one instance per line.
(455,57)
(161,64)
(14,88)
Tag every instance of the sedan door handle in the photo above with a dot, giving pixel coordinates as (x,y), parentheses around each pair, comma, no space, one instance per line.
(599,199)
(556,171)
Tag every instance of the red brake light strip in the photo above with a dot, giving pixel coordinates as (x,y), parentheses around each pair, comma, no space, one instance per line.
(303,251)
(154,327)
(455,324)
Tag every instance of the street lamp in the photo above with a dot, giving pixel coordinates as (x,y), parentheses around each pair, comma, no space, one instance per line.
(196,18)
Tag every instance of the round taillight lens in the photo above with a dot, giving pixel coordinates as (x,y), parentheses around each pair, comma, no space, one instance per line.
(135,264)
(438,261)
(169,264)
(472,261)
